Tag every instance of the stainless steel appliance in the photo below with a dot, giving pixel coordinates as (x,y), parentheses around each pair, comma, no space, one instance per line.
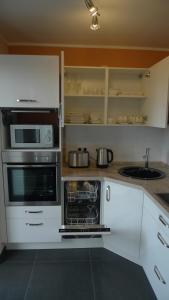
(104,157)
(78,159)
(81,209)
(31,178)
(31,136)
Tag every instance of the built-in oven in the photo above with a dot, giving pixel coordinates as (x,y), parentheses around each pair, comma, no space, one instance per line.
(31,178)
(81,209)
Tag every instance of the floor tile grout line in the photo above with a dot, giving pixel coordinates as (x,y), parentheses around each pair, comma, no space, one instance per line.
(30,277)
(92,275)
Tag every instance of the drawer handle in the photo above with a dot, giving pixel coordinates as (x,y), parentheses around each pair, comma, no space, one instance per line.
(163,221)
(26,100)
(162,240)
(108,193)
(34,224)
(33,211)
(158,274)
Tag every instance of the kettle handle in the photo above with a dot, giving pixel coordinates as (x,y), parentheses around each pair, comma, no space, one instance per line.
(109,157)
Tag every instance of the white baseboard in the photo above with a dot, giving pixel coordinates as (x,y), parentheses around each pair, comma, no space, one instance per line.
(65,244)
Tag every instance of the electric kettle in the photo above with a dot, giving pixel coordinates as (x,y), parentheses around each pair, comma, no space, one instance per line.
(104,157)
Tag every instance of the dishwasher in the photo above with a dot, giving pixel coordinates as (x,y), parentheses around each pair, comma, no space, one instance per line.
(81,209)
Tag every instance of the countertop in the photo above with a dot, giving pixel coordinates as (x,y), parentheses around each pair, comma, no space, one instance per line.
(150,187)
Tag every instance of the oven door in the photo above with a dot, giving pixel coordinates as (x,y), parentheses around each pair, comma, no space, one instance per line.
(31,184)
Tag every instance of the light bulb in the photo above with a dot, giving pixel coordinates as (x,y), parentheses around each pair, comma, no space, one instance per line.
(95,24)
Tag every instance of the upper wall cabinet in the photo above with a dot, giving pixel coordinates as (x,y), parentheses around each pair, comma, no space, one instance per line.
(117,96)
(157,91)
(29,81)
(126,96)
(84,95)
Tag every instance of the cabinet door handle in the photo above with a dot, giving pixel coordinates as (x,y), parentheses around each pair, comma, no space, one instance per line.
(34,224)
(33,211)
(162,240)
(26,100)
(158,274)
(108,193)
(163,221)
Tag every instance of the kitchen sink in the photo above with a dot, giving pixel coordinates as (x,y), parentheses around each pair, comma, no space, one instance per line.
(164,197)
(141,173)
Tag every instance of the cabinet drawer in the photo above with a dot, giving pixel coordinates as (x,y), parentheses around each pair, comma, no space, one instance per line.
(32,231)
(155,255)
(32,212)
(157,280)
(157,213)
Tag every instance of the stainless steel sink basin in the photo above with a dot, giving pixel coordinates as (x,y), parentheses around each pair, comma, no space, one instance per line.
(141,173)
(164,197)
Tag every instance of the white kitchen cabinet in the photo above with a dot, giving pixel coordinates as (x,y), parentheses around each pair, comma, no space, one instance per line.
(84,95)
(155,250)
(117,96)
(126,96)
(29,81)
(33,224)
(122,212)
(1,244)
(157,92)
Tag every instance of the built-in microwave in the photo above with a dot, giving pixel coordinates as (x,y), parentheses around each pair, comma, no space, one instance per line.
(31,136)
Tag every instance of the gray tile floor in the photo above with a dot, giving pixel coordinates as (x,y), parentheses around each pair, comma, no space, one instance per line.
(71,274)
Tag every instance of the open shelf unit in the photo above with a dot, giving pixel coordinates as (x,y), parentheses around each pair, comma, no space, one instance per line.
(104,96)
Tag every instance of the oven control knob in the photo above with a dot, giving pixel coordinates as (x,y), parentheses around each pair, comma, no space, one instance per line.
(36,157)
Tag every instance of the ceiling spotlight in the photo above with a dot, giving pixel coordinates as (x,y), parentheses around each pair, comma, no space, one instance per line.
(95,24)
(92,9)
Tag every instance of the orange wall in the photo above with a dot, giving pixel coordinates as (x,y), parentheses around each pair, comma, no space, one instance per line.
(97,56)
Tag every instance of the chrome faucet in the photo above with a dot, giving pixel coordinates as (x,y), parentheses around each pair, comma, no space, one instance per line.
(146,157)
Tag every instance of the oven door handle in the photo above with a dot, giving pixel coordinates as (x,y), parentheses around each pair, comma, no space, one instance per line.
(47,165)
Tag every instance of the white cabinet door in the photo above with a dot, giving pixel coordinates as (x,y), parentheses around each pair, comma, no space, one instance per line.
(29,81)
(32,230)
(156,105)
(122,212)
(62,105)
(24,225)
(1,244)
(155,255)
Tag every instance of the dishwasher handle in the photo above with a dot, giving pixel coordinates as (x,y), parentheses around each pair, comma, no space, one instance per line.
(108,193)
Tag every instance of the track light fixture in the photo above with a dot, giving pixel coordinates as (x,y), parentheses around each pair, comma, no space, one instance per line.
(92,9)
(94,13)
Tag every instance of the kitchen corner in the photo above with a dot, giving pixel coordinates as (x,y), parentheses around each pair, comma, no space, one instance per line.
(151,187)
(84,150)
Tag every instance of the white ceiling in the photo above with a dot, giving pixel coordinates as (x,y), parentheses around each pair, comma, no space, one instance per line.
(125,23)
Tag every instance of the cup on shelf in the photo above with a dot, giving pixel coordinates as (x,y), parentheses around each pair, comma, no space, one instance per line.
(86,118)
(114,92)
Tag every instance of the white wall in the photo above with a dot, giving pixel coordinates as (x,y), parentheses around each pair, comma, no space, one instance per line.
(165,146)
(127,143)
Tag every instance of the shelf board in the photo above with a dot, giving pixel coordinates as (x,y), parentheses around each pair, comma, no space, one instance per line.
(94,96)
(82,124)
(115,125)
(127,96)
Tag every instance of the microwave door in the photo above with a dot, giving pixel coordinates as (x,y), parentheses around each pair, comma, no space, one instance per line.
(26,138)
